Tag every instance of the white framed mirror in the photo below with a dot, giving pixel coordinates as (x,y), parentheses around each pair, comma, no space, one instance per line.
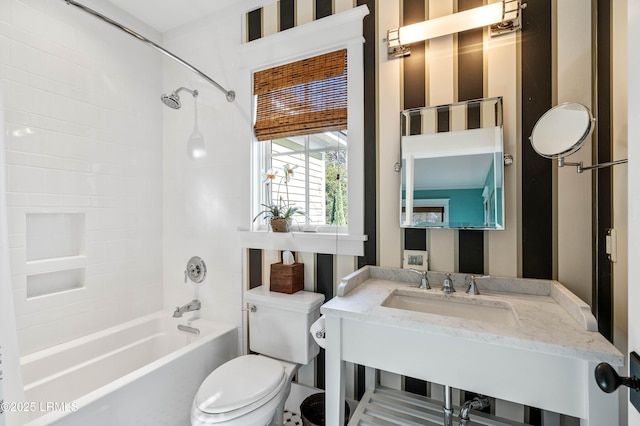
(452,171)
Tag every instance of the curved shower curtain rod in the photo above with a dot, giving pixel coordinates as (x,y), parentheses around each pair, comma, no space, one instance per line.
(230,94)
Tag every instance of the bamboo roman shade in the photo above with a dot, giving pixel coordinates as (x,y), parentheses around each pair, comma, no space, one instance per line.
(302,98)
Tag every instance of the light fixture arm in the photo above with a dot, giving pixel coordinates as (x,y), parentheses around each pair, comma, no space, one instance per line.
(580,168)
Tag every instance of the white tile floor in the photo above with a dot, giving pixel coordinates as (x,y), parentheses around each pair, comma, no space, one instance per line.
(292,419)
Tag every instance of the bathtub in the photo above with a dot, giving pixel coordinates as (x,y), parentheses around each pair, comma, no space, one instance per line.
(143,372)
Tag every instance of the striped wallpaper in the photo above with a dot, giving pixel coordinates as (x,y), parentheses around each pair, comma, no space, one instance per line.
(459,67)
(323,272)
(525,70)
(285,14)
(460,73)
(438,72)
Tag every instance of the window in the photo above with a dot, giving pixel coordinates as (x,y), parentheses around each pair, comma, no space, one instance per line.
(301,119)
(343,31)
(310,171)
(429,211)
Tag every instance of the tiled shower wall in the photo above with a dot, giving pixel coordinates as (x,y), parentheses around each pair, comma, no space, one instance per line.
(84,132)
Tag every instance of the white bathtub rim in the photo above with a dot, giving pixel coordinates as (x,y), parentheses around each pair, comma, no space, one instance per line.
(113,386)
(43,353)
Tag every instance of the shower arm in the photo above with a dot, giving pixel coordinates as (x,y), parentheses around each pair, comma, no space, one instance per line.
(230,94)
(193,93)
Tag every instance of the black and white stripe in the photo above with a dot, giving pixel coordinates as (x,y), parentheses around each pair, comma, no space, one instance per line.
(285,14)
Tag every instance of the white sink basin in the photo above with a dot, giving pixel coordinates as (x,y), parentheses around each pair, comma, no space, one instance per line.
(458,306)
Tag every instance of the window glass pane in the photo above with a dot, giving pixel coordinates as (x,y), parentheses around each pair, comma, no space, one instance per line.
(311,173)
(317,188)
(290,182)
(295,143)
(336,187)
(328,140)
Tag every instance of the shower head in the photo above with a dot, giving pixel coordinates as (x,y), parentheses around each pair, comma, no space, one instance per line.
(173,100)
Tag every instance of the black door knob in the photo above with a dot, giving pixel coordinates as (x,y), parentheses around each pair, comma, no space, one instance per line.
(608,379)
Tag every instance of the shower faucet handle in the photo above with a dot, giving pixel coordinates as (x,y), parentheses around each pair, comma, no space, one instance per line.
(196,270)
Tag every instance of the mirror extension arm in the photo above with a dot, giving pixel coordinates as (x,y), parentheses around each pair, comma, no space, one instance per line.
(580,168)
(562,131)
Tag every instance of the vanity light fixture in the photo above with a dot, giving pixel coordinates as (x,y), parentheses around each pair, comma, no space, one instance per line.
(503,17)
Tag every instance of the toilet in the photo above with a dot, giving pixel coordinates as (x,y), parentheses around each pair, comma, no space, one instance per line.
(251,390)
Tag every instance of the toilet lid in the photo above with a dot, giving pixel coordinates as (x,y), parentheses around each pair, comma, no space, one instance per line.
(238,383)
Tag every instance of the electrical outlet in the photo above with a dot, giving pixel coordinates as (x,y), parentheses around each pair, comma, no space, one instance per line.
(634,371)
(416,259)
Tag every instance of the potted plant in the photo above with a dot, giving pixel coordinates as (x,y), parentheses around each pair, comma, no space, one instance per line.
(280,214)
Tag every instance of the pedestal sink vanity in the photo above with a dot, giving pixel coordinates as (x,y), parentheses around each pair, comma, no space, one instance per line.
(531,342)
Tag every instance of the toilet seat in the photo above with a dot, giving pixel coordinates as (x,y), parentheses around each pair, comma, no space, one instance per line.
(239,387)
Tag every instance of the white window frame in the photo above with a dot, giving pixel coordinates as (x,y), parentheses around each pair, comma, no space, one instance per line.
(340,31)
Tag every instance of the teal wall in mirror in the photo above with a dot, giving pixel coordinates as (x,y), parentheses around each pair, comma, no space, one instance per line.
(452,166)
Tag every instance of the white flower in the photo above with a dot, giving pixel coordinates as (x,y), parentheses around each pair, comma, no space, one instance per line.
(288,171)
(269,176)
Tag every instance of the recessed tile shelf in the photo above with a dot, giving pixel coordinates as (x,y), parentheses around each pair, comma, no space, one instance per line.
(55,282)
(55,260)
(53,235)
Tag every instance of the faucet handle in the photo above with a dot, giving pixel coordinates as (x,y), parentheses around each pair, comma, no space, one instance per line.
(424,281)
(477,277)
(473,286)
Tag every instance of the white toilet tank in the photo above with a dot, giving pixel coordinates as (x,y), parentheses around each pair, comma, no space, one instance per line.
(279,325)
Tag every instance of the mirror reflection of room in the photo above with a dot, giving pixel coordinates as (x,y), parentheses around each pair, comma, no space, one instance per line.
(452,166)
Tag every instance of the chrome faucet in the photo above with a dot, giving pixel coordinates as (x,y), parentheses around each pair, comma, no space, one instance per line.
(194,305)
(447,285)
(473,287)
(424,281)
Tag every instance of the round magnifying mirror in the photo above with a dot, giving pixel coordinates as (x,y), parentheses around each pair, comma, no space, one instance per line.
(562,130)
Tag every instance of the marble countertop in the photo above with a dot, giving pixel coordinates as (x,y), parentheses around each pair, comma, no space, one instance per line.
(549,318)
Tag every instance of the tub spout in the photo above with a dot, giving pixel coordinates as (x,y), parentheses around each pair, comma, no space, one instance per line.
(194,305)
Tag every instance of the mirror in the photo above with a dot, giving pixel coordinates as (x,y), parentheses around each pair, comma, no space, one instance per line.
(562,130)
(452,166)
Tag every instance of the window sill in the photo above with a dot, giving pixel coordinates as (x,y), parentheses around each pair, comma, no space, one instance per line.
(311,242)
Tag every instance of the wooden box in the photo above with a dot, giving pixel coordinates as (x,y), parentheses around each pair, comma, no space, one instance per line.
(287,278)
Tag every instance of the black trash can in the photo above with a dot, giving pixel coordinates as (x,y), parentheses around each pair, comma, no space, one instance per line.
(312,410)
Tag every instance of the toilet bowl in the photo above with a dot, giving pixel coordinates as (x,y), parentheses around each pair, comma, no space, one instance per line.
(251,390)
(247,390)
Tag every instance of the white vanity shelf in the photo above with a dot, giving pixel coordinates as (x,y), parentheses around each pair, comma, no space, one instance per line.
(527,341)
(384,406)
